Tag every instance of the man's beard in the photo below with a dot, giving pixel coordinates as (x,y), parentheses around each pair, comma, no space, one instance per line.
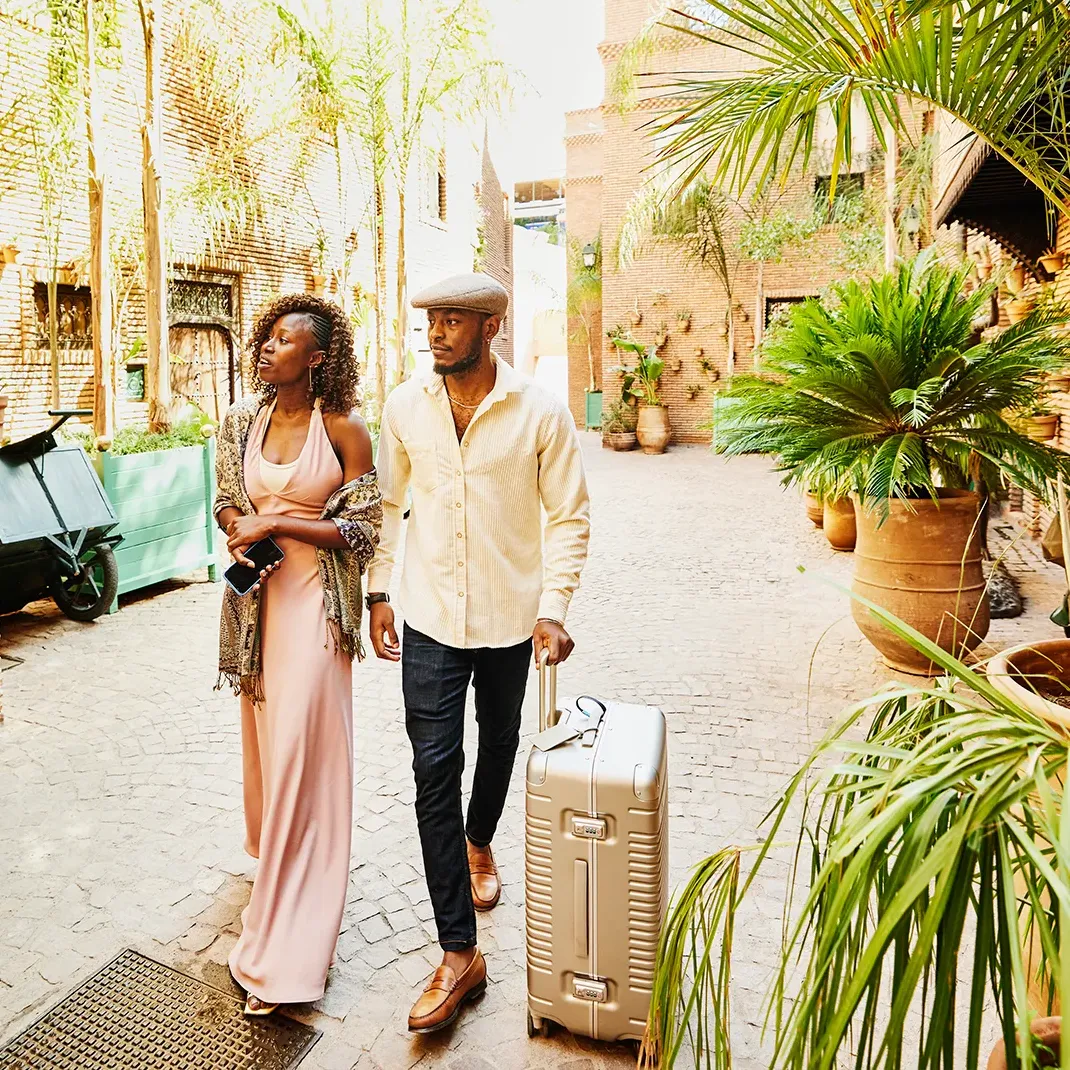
(466,364)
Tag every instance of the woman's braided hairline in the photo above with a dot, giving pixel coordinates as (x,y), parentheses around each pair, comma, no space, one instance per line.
(336,380)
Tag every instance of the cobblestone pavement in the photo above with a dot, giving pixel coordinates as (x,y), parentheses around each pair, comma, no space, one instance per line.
(120,802)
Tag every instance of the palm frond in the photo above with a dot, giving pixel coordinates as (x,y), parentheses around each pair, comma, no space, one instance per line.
(998,67)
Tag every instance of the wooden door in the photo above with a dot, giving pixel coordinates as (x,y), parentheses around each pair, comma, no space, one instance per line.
(202,368)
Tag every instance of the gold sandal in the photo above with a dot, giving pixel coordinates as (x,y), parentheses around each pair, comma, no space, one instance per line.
(255,1007)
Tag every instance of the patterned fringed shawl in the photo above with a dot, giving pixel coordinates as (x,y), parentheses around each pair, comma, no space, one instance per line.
(357,510)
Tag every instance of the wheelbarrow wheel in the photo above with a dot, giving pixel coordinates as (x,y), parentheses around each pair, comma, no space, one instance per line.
(87,593)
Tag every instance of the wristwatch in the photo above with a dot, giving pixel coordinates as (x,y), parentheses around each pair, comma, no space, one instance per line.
(373,599)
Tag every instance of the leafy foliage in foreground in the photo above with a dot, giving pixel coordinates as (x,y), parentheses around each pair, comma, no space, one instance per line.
(946,819)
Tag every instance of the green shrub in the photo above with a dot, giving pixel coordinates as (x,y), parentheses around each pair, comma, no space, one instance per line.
(188,431)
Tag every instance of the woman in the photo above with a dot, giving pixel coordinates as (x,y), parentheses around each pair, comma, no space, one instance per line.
(295,463)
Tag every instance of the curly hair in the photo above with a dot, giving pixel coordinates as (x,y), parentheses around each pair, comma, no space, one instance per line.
(336,380)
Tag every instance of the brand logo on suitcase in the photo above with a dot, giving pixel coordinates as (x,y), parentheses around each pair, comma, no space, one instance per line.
(589,828)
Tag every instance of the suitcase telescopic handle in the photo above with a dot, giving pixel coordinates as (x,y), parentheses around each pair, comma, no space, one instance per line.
(547,692)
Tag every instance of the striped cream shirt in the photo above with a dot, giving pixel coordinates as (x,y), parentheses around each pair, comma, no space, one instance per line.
(481,567)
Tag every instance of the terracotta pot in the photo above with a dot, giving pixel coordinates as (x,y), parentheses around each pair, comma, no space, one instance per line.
(1042,428)
(1047,1030)
(1053,263)
(10,254)
(653,431)
(3,413)
(839,524)
(1016,278)
(1025,673)
(1035,676)
(924,565)
(620,440)
(815,509)
(1018,310)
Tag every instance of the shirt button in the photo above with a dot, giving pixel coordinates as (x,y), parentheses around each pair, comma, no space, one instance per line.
(459,506)
(460,594)
(460,564)
(460,534)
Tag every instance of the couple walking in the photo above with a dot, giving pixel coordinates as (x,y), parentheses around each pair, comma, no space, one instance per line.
(496,541)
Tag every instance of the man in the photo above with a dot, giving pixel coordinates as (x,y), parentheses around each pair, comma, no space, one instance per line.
(484,584)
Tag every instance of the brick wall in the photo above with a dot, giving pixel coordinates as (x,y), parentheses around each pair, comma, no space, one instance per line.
(583,221)
(607,163)
(294,180)
(497,258)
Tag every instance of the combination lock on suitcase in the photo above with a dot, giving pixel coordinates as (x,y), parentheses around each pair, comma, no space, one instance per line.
(596,864)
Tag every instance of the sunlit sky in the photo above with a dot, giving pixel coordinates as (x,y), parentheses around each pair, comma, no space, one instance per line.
(552,43)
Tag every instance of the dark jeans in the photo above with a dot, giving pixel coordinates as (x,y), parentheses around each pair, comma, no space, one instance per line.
(435,682)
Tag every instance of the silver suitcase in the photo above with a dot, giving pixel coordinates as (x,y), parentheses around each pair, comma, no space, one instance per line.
(596,864)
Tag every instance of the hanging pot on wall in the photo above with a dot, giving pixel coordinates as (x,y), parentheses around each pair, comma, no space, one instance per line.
(1042,428)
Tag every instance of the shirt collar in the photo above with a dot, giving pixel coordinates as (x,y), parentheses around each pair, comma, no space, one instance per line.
(506,381)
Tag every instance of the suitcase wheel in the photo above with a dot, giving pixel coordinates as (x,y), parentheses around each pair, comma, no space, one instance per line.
(538,1026)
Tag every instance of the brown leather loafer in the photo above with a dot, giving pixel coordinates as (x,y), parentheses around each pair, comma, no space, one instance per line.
(486,882)
(445,995)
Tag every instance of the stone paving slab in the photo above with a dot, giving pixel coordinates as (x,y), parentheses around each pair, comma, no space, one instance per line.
(120,772)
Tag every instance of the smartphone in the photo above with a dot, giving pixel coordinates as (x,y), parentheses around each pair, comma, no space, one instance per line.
(241,578)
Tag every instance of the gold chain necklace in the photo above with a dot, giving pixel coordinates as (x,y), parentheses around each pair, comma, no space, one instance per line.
(462,405)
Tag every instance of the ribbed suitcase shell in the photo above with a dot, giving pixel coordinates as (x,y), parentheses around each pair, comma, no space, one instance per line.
(596,873)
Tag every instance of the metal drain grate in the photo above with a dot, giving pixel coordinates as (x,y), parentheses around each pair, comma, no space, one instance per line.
(137,1014)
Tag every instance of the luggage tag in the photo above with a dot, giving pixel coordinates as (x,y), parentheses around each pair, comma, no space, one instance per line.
(555,736)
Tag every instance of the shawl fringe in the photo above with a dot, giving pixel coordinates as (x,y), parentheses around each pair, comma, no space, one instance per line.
(251,686)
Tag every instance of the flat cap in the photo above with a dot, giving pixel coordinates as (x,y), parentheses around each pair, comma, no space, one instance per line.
(474,291)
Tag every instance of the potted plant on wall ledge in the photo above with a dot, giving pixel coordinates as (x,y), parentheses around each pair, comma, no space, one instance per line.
(641,383)
(884,388)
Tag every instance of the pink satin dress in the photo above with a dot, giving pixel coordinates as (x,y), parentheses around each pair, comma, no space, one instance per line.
(297,746)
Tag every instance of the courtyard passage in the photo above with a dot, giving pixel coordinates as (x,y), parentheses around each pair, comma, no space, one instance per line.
(120,766)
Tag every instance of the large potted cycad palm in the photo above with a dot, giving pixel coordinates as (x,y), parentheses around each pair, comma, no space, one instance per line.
(884,388)
(920,859)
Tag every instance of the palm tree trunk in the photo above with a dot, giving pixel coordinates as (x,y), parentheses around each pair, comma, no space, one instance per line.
(759,304)
(379,195)
(158,373)
(53,335)
(592,385)
(402,329)
(99,248)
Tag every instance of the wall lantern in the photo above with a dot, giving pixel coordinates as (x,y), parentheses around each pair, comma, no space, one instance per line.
(590,255)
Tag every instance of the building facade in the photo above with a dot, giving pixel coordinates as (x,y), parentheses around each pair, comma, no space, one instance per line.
(610,157)
(305,222)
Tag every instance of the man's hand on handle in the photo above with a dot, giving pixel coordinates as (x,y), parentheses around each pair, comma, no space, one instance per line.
(384,637)
(552,637)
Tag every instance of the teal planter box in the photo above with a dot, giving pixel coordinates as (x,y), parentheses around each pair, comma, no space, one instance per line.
(164,504)
(594,410)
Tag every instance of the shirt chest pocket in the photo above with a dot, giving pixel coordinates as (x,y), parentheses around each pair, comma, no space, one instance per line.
(426,465)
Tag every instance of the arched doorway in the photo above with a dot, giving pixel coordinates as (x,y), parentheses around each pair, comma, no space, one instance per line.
(202,366)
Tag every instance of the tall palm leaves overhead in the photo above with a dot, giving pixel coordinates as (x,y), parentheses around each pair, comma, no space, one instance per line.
(1000,67)
(883,392)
